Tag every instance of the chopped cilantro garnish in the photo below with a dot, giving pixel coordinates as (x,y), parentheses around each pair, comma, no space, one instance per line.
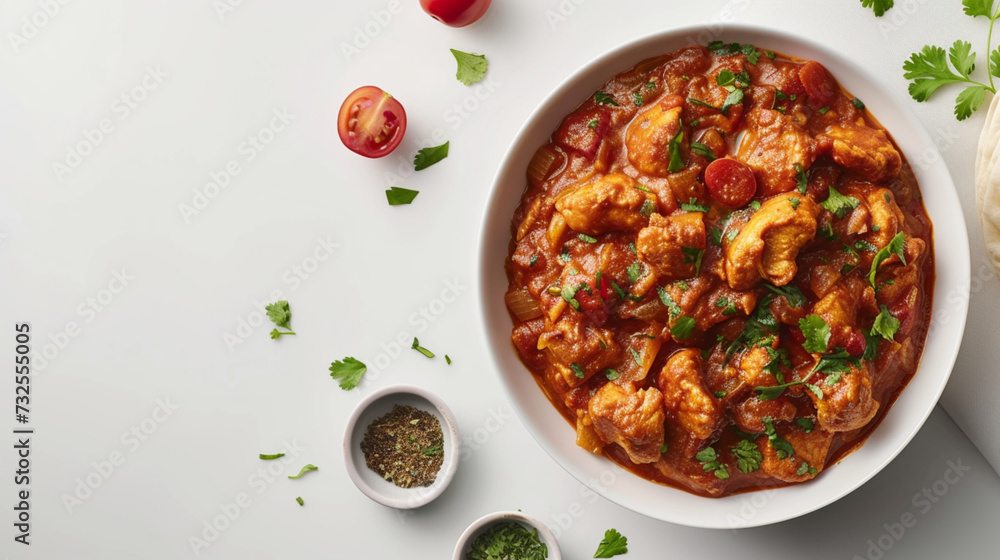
(895,247)
(611,374)
(674,149)
(712,464)
(602,98)
(791,293)
(427,157)
(781,446)
(693,255)
(683,328)
(748,457)
(702,150)
(416,346)
(858,103)
(398,196)
(806,424)
(634,271)
(577,370)
(839,204)
(693,206)
(817,333)
(803,180)
(586,238)
(647,208)
(886,325)
(471,67)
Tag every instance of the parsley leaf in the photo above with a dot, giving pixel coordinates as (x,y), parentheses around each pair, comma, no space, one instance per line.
(349,372)
(837,362)
(416,346)
(602,98)
(304,470)
(427,157)
(577,370)
(895,247)
(880,7)
(886,325)
(398,196)
(748,457)
(817,333)
(839,204)
(683,328)
(674,148)
(611,374)
(471,67)
(613,544)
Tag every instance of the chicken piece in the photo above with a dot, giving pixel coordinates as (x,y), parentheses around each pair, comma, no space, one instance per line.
(569,343)
(770,242)
(750,413)
(648,137)
(847,404)
(810,452)
(685,397)
(863,149)
(840,307)
(721,303)
(775,148)
(611,203)
(877,216)
(662,244)
(632,419)
(750,365)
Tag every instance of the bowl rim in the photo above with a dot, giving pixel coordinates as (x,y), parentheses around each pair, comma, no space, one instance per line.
(544,533)
(958,275)
(423,495)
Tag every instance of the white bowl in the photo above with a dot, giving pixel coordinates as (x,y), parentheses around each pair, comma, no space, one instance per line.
(370,483)
(480,525)
(909,412)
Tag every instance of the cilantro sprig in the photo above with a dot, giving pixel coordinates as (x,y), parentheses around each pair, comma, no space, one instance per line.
(348,372)
(880,7)
(933,67)
(279,314)
(613,544)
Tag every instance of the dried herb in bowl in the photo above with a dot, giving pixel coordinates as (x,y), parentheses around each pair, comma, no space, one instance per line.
(508,540)
(405,447)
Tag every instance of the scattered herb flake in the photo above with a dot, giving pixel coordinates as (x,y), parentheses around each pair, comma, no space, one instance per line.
(427,157)
(348,372)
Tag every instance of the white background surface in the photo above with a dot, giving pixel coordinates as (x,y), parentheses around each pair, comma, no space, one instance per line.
(163,336)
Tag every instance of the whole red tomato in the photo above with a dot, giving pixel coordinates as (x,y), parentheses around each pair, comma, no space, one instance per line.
(456,13)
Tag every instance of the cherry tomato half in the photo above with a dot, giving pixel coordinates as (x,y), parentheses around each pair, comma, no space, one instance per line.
(730,182)
(456,13)
(371,122)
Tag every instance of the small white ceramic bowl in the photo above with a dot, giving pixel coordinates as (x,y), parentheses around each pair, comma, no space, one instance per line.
(379,404)
(916,402)
(481,524)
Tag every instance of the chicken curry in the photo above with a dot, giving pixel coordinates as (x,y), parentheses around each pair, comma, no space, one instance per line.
(721,270)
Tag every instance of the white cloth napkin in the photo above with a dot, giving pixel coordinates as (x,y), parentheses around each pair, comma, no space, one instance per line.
(972,397)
